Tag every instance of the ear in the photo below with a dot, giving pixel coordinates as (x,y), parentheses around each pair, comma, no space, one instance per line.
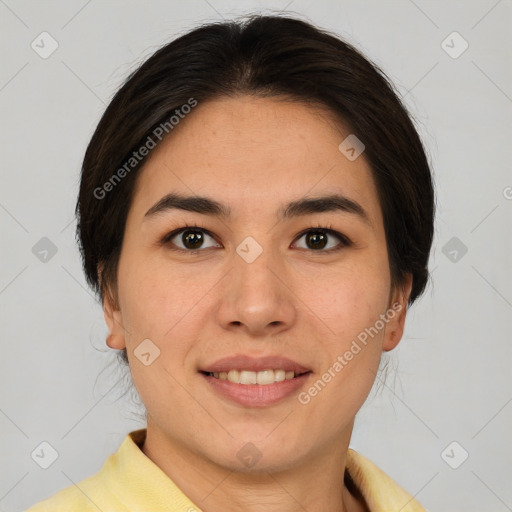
(114,321)
(113,318)
(397,310)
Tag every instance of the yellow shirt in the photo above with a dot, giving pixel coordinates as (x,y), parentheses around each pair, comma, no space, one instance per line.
(130,482)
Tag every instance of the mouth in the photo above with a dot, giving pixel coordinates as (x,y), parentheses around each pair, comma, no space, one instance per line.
(255,382)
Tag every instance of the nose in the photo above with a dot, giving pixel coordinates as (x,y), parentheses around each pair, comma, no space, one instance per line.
(257,299)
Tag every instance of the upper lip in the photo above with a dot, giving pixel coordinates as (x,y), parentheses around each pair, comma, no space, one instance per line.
(255,364)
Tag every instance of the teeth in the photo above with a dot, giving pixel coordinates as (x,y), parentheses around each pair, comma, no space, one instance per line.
(263,378)
(233,376)
(248,377)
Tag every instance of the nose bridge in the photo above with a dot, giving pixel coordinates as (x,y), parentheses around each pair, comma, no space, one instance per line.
(254,274)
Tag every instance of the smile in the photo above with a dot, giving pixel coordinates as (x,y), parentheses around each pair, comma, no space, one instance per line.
(263,378)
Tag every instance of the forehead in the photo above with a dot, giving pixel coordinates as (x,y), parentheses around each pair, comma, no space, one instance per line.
(252,153)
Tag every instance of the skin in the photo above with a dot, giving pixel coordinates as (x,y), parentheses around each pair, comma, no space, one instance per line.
(254,155)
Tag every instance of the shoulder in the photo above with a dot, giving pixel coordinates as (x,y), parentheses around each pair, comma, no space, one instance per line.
(381,492)
(97,492)
(114,488)
(89,495)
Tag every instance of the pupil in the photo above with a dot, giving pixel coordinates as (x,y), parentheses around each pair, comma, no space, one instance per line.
(192,239)
(317,240)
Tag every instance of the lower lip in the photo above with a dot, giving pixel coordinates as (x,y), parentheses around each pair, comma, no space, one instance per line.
(257,395)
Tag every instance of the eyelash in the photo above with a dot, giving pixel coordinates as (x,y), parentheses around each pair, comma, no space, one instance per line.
(329,230)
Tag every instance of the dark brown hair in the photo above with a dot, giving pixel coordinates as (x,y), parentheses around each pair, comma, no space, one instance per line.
(263,56)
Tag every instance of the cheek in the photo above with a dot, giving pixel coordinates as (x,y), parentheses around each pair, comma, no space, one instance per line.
(350,301)
(352,345)
(161,303)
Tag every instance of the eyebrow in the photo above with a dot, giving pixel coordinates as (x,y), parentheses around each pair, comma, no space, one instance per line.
(305,206)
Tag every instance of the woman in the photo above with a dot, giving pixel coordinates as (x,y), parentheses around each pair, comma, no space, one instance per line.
(256,213)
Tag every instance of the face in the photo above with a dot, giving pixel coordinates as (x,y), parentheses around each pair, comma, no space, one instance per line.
(262,271)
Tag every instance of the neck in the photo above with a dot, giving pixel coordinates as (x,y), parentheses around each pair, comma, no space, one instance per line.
(314,484)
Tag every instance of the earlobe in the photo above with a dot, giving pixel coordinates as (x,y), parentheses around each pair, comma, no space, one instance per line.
(396,314)
(114,321)
(115,342)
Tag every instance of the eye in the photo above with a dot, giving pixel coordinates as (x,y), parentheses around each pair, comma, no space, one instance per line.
(319,239)
(193,239)
(189,239)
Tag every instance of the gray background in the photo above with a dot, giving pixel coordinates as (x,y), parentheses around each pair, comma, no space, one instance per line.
(450,378)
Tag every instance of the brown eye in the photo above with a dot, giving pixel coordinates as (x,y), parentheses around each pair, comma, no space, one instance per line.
(189,239)
(323,240)
(316,240)
(192,239)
